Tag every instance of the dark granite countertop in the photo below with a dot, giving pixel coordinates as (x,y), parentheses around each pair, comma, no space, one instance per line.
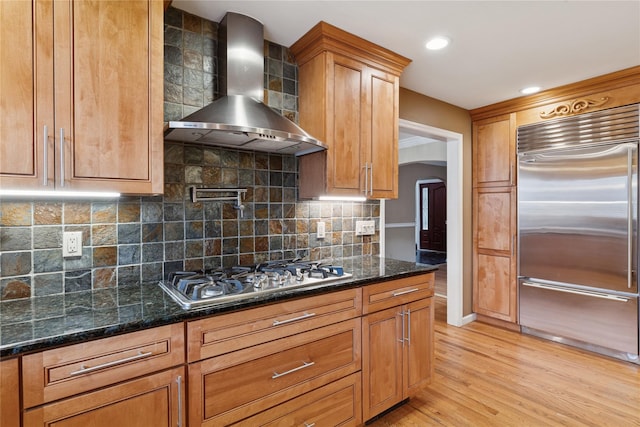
(43,322)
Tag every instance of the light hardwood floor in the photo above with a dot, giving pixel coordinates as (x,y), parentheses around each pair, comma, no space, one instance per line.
(487,376)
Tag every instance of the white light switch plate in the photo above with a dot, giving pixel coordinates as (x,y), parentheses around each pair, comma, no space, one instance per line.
(72,243)
(321,230)
(365,228)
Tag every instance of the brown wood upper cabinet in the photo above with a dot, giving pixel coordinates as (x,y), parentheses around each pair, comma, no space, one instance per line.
(348,93)
(494,151)
(81,93)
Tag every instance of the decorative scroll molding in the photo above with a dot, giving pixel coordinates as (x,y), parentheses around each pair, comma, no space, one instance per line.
(573,107)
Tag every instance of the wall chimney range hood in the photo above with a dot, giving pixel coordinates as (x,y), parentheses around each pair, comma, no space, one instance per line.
(239,119)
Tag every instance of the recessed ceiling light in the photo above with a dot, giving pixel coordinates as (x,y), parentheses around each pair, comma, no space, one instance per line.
(529,90)
(437,43)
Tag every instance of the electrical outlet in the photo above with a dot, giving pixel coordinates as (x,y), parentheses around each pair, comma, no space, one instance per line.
(72,244)
(365,228)
(321,230)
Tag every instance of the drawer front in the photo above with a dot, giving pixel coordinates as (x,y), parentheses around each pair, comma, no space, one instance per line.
(336,404)
(63,372)
(231,332)
(389,294)
(229,388)
(153,401)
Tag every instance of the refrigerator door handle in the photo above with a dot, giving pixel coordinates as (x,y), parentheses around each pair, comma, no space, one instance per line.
(593,294)
(630,236)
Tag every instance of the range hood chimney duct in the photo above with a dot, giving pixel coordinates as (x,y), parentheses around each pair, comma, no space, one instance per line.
(239,118)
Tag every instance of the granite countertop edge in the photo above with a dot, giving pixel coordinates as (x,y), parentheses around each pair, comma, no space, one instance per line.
(40,323)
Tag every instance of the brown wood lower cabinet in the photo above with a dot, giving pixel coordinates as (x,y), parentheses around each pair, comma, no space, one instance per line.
(9,393)
(66,371)
(136,379)
(494,253)
(152,401)
(397,345)
(226,389)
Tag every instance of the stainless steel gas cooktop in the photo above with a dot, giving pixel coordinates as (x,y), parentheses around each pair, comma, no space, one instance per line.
(194,289)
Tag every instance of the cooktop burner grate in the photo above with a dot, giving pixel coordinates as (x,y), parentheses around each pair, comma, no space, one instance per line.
(201,288)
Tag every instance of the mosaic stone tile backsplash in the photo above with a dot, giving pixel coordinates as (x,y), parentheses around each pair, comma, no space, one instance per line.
(143,238)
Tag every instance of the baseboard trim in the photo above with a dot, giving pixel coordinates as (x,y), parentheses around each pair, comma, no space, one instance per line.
(469,318)
(498,322)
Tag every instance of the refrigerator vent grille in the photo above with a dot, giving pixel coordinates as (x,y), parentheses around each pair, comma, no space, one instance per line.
(606,126)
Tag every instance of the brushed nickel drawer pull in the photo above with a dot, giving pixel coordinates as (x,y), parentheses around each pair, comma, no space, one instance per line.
(282,322)
(290,371)
(85,370)
(306,424)
(397,294)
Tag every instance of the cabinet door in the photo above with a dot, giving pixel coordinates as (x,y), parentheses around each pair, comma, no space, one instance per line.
(494,273)
(152,401)
(381,361)
(382,132)
(494,151)
(26,94)
(347,82)
(108,94)
(418,360)
(9,393)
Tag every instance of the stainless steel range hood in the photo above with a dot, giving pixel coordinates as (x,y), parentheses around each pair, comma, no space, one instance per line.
(239,119)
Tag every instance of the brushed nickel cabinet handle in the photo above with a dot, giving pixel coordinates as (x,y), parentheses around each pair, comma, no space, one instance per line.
(45,157)
(306,424)
(366,178)
(61,157)
(397,294)
(85,370)
(401,314)
(179,381)
(371,179)
(290,371)
(293,319)
(409,326)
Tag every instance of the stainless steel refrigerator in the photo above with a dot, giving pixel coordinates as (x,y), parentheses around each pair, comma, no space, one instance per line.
(578,236)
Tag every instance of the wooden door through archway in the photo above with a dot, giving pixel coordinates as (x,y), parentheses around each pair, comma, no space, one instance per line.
(433,216)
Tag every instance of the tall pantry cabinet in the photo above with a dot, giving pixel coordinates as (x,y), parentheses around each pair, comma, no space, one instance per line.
(494,218)
(348,92)
(81,95)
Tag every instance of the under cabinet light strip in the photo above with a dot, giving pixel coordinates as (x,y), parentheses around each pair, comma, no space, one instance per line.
(343,198)
(58,194)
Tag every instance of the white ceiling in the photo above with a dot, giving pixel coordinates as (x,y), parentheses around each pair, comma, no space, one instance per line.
(497,48)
